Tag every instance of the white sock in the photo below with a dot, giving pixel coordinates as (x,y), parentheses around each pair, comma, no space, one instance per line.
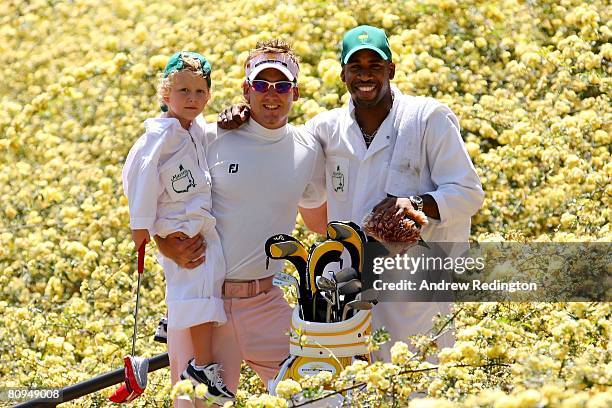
(198,367)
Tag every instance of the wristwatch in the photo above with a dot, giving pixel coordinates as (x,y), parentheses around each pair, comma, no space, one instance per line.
(417,202)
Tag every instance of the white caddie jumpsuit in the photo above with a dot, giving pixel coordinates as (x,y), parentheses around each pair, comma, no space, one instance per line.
(357,180)
(168,185)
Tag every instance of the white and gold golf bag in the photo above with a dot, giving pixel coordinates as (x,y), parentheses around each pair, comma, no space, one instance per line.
(315,347)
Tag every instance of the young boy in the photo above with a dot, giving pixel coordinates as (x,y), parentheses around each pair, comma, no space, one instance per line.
(168,185)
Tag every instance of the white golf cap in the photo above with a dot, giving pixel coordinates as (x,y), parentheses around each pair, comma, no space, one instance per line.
(281,62)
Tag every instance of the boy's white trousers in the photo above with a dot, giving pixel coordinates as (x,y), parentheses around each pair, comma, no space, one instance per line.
(194,296)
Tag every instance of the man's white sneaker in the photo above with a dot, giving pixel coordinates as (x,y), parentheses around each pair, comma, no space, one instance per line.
(209,376)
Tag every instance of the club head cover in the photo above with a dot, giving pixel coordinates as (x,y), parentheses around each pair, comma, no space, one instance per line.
(136,369)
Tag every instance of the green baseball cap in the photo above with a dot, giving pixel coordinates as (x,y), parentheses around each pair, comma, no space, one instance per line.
(365,37)
(175,63)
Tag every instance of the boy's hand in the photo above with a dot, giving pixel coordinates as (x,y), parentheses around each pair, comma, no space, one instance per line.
(234,116)
(186,252)
(140,236)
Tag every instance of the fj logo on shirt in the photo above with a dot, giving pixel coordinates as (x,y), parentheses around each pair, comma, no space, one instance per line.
(183,180)
(338,180)
(233,168)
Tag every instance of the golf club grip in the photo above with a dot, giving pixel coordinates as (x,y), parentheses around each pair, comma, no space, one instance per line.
(141,257)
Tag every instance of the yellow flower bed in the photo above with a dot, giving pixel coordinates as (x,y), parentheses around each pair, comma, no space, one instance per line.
(530,81)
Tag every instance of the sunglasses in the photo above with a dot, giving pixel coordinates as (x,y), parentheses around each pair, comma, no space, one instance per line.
(281,87)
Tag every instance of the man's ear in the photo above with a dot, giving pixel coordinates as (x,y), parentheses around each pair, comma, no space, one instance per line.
(391,70)
(296,93)
(245,91)
(342,77)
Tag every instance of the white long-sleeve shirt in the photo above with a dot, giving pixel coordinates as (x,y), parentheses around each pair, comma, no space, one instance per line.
(167,181)
(260,176)
(357,180)
(356,176)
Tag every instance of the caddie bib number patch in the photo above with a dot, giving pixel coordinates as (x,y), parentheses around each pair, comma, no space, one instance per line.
(338,176)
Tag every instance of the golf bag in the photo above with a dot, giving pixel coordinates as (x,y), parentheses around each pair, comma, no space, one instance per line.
(346,340)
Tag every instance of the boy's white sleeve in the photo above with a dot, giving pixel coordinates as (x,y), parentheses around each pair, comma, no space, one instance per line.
(141,181)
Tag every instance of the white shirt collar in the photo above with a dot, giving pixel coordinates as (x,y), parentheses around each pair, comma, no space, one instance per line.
(257,131)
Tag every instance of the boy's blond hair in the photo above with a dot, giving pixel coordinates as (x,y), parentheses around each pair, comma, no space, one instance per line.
(164,84)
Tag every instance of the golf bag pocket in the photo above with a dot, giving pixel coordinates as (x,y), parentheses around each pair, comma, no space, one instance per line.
(312,344)
(346,338)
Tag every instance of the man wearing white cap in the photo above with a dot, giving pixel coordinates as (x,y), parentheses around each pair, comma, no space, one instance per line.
(260,174)
(396,153)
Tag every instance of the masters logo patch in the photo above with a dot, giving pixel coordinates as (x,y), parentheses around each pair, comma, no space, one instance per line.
(183,180)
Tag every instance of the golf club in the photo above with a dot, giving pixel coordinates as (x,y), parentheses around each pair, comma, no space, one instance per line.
(284,279)
(355,305)
(349,291)
(135,368)
(352,238)
(283,246)
(346,274)
(328,286)
(319,257)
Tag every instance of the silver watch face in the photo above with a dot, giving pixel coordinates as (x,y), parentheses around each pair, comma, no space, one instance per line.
(417,201)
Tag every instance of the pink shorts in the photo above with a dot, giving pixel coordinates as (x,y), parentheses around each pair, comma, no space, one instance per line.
(256,332)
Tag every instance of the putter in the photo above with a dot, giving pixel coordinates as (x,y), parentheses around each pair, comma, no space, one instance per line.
(136,368)
(284,279)
(319,257)
(355,305)
(283,246)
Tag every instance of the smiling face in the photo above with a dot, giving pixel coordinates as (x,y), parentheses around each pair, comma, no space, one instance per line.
(187,97)
(367,78)
(270,109)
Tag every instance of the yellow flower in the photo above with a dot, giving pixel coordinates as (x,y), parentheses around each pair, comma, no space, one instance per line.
(288,388)
(200,391)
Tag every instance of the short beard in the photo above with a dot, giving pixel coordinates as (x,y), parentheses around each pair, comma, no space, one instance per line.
(369,103)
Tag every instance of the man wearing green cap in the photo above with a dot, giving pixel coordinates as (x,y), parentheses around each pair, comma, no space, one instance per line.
(397,153)
(394,153)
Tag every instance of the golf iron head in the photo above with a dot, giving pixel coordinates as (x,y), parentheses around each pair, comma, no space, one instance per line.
(284,279)
(355,305)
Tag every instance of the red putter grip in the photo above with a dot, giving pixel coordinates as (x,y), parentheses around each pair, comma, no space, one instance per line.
(141,257)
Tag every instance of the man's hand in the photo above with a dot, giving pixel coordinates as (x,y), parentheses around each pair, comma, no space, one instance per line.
(234,116)
(401,206)
(140,236)
(395,208)
(186,252)
(395,220)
